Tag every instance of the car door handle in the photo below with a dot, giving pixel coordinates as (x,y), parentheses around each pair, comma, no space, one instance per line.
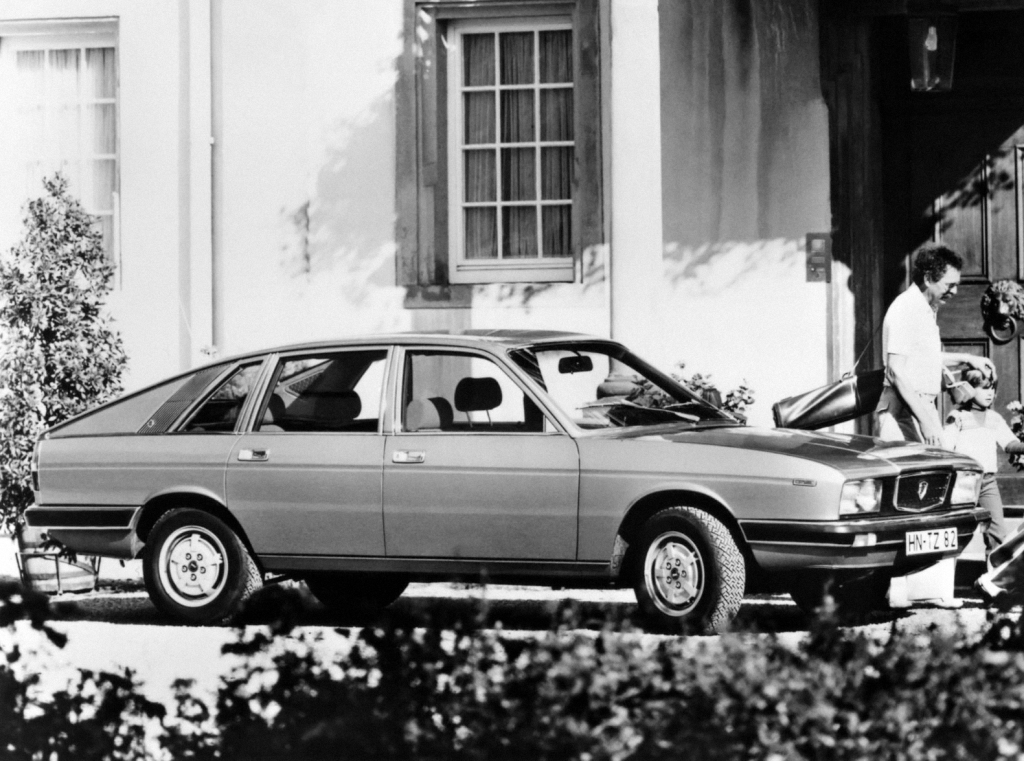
(406,456)
(253,455)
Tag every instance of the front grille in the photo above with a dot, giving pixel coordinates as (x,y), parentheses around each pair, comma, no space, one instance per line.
(917,492)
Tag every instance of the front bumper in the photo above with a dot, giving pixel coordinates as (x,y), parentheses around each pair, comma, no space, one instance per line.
(86,530)
(796,545)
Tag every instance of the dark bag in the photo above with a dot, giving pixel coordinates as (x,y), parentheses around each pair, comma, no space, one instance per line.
(846,399)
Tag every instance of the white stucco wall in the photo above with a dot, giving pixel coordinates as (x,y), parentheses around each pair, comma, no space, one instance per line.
(307,185)
(745,176)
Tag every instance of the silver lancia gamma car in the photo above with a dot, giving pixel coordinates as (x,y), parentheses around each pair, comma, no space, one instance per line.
(505,456)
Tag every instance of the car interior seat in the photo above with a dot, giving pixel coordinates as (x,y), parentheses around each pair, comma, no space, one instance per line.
(274,415)
(432,414)
(477,395)
(333,410)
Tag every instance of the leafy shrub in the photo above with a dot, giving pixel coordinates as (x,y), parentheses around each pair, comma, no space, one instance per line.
(735,400)
(58,352)
(404,691)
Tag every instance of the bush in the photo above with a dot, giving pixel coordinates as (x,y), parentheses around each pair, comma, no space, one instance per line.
(407,692)
(58,352)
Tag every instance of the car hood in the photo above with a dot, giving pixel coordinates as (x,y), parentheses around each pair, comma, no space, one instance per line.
(847,452)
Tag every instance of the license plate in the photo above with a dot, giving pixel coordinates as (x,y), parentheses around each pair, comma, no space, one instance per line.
(934,540)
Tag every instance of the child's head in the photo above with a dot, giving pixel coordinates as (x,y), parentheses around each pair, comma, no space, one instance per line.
(984,386)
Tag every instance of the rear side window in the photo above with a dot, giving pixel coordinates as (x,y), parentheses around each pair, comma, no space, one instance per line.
(330,392)
(125,415)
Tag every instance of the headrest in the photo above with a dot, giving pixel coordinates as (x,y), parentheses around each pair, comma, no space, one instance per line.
(477,394)
(336,406)
(427,414)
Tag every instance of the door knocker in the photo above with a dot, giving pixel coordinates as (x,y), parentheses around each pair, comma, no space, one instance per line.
(1002,305)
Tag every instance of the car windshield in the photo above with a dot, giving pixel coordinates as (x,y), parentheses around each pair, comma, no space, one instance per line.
(605,386)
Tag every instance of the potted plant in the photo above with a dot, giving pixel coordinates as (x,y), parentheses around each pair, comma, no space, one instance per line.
(1002,305)
(58,353)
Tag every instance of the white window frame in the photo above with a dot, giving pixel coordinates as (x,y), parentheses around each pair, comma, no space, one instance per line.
(461,269)
(48,35)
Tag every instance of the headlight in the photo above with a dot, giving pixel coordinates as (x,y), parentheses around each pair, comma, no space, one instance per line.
(860,497)
(966,488)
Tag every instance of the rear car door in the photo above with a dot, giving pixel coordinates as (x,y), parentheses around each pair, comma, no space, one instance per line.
(306,479)
(474,468)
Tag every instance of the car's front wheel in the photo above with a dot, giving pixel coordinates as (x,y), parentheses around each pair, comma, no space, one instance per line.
(348,591)
(196,568)
(688,572)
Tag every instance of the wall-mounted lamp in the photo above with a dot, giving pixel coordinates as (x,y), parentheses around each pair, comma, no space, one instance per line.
(932,37)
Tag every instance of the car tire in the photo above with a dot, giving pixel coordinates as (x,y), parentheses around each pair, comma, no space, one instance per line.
(196,568)
(854,597)
(350,591)
(689,574)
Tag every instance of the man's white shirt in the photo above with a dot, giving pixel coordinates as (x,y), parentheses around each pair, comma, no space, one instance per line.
(910,329)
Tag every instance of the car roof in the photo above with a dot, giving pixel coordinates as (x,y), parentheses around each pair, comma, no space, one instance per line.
(509,339)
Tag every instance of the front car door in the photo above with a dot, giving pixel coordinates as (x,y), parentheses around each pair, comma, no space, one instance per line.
(474,468)
(306,480)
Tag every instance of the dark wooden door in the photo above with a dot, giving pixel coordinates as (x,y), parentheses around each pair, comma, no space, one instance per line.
(954,172)
(966,186)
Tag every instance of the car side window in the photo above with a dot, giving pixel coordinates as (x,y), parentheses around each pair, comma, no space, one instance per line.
(326,392)
(220,411)
(464,393)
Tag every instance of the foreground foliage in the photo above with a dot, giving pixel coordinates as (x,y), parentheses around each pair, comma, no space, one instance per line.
(461,693)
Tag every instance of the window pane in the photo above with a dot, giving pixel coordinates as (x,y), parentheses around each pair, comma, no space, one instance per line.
(105,225)
(481,183)
(63,75)
(102,124)
(517,58)
(99,68)
(458,392)
(102,185)
(66,133)
(556,115)
(556,56)
(479,117)
(518,175)
(478,59)
(327,393)
(557,231)
(517,117)
(30,75)
(481,234)
(220,411)
(519,233)
(556,173)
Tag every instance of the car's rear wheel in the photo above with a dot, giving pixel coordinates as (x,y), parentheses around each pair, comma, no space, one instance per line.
(352,591)
(688,572)
(196,568)
(854,597)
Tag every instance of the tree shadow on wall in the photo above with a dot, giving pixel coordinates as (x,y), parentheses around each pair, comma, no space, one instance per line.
(347,223)
(593,273)
(713,268)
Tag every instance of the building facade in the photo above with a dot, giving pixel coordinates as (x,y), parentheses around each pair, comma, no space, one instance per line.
(277,171)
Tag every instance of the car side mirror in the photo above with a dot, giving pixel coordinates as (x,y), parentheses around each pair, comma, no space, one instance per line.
(575,364)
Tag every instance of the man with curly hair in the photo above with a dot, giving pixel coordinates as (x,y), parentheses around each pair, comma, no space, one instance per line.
(907,410)
(913,353)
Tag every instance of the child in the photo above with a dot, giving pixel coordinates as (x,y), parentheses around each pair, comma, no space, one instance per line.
(975,430)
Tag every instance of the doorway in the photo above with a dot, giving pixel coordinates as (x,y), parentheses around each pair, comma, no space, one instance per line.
(953,171)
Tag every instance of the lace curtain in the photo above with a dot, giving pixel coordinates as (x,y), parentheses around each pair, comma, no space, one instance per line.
(517,144)
(64,116)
